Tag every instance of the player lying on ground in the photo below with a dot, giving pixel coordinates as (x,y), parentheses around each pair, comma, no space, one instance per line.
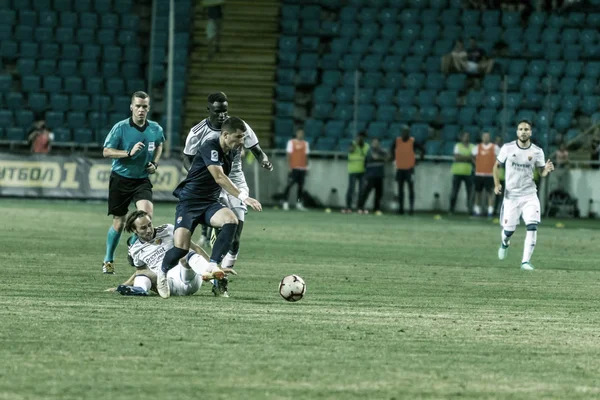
(198,196)
(520,158)
(146,252)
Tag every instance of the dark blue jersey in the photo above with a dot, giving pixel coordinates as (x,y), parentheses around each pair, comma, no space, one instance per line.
(199,185)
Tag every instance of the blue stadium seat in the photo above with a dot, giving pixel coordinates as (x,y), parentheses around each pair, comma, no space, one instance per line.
(428,113)
(322,94)
(490,18)
(109,21)
(52,84)
(70,52)
(100,103)
(6,33)
(448,148)
(6,118)
(312,128)
(344,95)
(536,68)
(284,109)
(325,144)
(130,70)
(408,113)
(384,96)
(335,128)
(8,17)
(447,98)
(14,100)
(471,17)
(38,102)
(386,113)
(366,112)
(371,63)
(493,100)
(377,129)
(24,118)
(466,115)
(76,120)
(563,120)
(287,60)
(393,80)
(73,85)
(405,97)
(50,51)
(366,96)
(456,82)
(46,67)
(589,105)
(285,76)
(433,147)
(88,68)
(9,49)
(322,110)
(420,132)
(82,135)
(23,33)
(513,100)
(110,69)
(285,93)
(573,69)
(414,81)
(474,98)
(592,70)
(568,85)
(115,86)
(40,5)
(26,66)
(15,133)
(81,102)
(529,84)
(343,112)
(62,135)
(59,102)
(28,18)
(54,119)
(388,16)
(48,18)
(487,116)
(556,68)
(372,79)
(448,115)
(67,68)
(30,83)
(399,48)
(426,97)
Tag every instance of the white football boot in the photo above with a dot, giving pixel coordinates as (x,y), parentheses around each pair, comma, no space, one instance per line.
(162,284)
(503,251)
(526,266)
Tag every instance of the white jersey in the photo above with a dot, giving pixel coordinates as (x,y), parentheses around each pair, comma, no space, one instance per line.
(519,165)
(152,253)
(204,131)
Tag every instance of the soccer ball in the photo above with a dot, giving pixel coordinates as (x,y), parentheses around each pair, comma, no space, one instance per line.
(292,288)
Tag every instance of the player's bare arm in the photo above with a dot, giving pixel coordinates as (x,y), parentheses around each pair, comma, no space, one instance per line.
(496,174)
(108,152)
(199,250)
(223,180)
(549,167)
(153,165)
(461,158)
(187,161)
(262,157)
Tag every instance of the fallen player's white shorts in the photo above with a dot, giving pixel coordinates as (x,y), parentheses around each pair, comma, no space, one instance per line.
(234,204)
(181,287)
(526,207)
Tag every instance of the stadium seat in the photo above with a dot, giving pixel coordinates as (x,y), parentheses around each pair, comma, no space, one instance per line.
(46,67)
(322,110)
(384,96)
(335,128)
(68,19)
(100,103)
(312,128)
(285,93)
(433,147)
(73,84)
(405,97)
(377,129)
(563,120)
(26,66)
(9,49)
(15,133)
(30,83)
(24,118)
(23,33)
(14,100)
(80,102)
(115,86)
(62,135)
(59,102)
(386,113)
(393,80)
(109,21)
(38,102)
(447,98)
(67,68)
(6,118)
(54,119)
(285,109)
(448,115)
(70,52)
(83,135)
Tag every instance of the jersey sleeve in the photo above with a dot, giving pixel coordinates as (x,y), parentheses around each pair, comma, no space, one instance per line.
(161,136)
(250,139)
(307,148)
(210,153)
(540,160)
(191,144)
(456,150)
(496,150)
(136,256)
(474,150)
(502,155)
(290,147)
(114,138)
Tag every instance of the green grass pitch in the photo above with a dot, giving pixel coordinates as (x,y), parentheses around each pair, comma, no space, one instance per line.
(396,308)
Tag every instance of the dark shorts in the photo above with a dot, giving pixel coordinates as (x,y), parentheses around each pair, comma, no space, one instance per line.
(189,214)
(484,183)
(405,175)
(122,191)
(297,175)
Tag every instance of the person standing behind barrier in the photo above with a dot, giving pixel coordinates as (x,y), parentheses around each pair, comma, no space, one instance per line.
(356,168)
(462,168)
(374,174)
(297,154)
(403,149)
(485,157)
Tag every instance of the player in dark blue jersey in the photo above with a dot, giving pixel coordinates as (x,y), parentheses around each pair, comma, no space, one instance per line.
(198,196)
(135,146)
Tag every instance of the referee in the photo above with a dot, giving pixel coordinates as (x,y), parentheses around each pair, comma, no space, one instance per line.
(135,145)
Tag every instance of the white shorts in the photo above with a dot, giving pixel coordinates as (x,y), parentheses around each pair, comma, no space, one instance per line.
(234,204)
(526,207)
(179,286)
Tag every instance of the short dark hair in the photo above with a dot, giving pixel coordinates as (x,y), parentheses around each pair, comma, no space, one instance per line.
(218,97)
(232,124)
(140,95)
(362,134)
(131,217)
(528,122)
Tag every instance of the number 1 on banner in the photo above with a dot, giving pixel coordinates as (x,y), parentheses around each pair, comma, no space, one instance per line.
(69,182)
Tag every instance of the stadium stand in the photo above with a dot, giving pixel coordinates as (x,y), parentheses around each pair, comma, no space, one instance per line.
(551,66)
(75,64)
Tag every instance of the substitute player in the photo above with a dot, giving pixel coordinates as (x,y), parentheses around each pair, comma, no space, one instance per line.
(198,196)
(520,158)
(297,150)
(210,128)
(135,145)
(485,154)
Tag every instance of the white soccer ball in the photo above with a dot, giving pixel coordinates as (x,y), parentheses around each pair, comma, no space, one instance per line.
(292,288)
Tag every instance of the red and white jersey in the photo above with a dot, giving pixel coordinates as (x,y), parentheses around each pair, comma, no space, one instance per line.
(204,131)
(519,165)
(153,252)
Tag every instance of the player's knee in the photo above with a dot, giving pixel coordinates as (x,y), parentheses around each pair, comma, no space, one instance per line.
(509,231)
(229,218)
(532,227)
(119,224)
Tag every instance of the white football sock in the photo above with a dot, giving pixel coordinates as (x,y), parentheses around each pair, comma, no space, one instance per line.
(187,274)
(198,264)
(490,210)
(530,239)
(229,260)
(143,282)
(477,209)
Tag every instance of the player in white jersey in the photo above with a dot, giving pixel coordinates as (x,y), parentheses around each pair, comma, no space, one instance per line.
(209,128)
(520,158)
(146,254)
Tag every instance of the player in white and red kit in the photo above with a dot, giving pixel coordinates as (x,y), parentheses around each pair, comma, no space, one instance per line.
(520,158)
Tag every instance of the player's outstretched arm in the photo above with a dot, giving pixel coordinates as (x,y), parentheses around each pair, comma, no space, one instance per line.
(549,167)
(223,180)
(262,157)
(109,152)
(496,174)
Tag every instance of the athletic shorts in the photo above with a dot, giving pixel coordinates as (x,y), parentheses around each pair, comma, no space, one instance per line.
(513,209)
(123,191)
(405,175)
(189,214)
(484,183)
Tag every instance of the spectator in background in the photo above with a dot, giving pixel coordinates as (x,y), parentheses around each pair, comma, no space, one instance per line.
(40,137)
(595,154)
(214,25)
(477,61)
(356,168)
(374,174)
(297,154)
(455,61)
(462,168)
(485,154)
(561,172)
(403,150)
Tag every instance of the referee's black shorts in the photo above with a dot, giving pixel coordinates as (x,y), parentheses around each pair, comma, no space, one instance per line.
(122,191)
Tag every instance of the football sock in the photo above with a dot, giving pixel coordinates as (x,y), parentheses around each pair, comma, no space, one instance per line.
(490,210)
(223,243)
(506,237)
(112,240)
(172,257)
(477,210)
(187,274)
(530,239)
(229,260)
(143,282)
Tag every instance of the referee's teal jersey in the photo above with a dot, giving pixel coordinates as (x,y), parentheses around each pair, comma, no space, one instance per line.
(123,136)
